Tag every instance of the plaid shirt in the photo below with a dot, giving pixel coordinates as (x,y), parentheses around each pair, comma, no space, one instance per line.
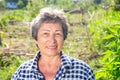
(71,69)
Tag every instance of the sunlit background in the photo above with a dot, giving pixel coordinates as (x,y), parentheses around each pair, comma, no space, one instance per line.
(94,34)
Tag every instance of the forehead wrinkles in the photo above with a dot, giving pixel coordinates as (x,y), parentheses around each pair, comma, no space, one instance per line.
(51,22)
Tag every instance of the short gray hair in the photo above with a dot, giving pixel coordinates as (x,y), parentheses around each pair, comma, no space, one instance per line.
(47,15)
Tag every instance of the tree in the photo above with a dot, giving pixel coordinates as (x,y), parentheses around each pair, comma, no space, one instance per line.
(117,5)
(2,5)
(11,1)
(20,4)
(97,1)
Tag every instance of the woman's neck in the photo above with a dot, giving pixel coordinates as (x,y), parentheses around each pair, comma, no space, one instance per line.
(49,59)
(49,66)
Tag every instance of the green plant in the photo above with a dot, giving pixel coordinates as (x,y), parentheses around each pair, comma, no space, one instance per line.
(110,62)
(8,65)
(20,4)
(33,8)
(117,5)
(2,5)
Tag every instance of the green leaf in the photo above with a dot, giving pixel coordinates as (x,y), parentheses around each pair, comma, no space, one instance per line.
(116,63)
(114,31)
(118,48)
(108,52)
(112,44)
(108,37)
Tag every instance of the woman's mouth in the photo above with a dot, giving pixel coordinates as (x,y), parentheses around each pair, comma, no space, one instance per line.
(52,47)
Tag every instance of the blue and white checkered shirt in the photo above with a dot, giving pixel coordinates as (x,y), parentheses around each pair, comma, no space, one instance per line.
(71,69)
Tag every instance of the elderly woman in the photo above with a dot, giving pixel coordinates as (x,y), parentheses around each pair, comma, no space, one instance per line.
(49,30)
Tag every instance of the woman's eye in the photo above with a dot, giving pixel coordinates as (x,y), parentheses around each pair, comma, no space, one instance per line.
(45,34)
(58,34)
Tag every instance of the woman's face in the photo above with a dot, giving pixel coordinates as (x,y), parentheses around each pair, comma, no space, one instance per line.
(50,39)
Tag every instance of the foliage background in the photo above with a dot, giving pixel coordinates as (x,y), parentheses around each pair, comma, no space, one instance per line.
(93,37)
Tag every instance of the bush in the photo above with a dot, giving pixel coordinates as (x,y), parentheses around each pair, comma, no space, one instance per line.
(8,64)
(97,1)
(110,62)
(117,5)
(20,4)
(2,4)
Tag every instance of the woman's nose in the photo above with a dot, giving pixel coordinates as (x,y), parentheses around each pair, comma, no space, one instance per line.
(52,39)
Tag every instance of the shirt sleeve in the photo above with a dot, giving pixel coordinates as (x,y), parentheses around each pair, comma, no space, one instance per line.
(91,75)
(16,75)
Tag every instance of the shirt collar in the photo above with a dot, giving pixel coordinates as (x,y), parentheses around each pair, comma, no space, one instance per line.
(35,61)
(65,61)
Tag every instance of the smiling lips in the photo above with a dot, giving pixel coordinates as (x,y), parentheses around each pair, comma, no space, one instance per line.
(52,47)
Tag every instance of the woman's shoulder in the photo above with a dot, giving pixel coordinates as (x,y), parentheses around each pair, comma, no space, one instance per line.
(78,67)
(26,64)
(23,69)
(74,61)
(79,63)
